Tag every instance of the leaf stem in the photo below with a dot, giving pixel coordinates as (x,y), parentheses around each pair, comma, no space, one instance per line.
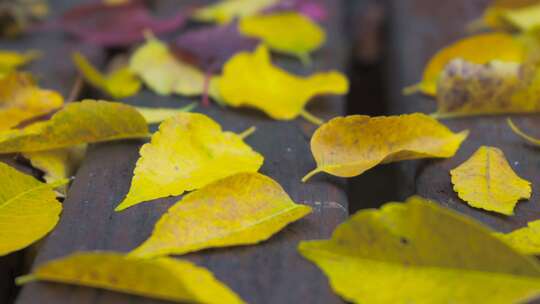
(247,132)
(522,134)
(21,280)
(305,58)
(412,89)
(310,175)
(311,118)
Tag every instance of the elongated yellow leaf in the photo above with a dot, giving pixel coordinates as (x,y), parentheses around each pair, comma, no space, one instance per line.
(525,240)
(419,252)
(245,208)
(487,181)
(10,61)
(157,115)
(188,152)
(58,164)
(28,209)
(250,79)
(466,89)
(21,100)
(121,83)
(228,10)
(163,73)
(78,123)
(162,278)
(349,146)
(287,32)
(522,134)
(479,49)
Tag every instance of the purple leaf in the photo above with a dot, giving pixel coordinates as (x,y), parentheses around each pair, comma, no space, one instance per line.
(311,8)
(210,47)
(115,25)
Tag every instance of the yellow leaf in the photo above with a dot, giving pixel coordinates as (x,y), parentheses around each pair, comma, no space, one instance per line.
(522,134)
(162,278)
(525,240)
(250,79)
(242,209)
(511,14)
(467,89)
(419,252)
(28,209)
(58,164)
(157,115)
(288,32)
(228,10)
(479,49)
(21,100)
(349,146)
(121,83)
(487,181)
(10,61)
(78,123)
(188,152)
(164,73)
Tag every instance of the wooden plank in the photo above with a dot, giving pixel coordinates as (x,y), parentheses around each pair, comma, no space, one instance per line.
(418,29)
(52,70)
(272,272)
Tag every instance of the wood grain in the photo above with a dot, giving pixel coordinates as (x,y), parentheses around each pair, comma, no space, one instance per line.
(272,272)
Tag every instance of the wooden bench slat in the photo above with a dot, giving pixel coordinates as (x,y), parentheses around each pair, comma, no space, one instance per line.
(271,272)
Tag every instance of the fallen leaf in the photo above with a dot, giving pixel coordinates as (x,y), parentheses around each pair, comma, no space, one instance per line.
(28,209)
(210,47)
(78,123)
(10,60)
(467,89)
(162,278)
(17,15)
(242,209)
(58,164)
(522,134)
(227,10)
(525,240)
(478,49)
(115,25)
(509,15)
(188,152)
(487,181)
(157,115)
(313,9)
(250,79)
(163,73)
(121,83)
(287,32)
(349,146)
(419,252)
(21,99)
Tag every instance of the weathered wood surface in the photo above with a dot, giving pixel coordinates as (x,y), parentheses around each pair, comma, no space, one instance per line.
(418,29)
(272,272)
(52,70)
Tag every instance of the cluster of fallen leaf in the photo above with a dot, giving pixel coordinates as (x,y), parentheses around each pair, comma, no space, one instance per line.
(428,253)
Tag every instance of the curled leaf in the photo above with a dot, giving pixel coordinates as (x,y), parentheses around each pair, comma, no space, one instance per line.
(121,83)
(21,99)
(188,152)
(245,208)
(287,32)
(157,115)
(58,164)
(25,200)
(162,278)
(349,146)
(478,49)
(163,73)
(115,25)
(250,79)
(78,123)
(522,134)
(487,181)
(525,240)
(426,254)
(210,47)
(10,61)
(227,10)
